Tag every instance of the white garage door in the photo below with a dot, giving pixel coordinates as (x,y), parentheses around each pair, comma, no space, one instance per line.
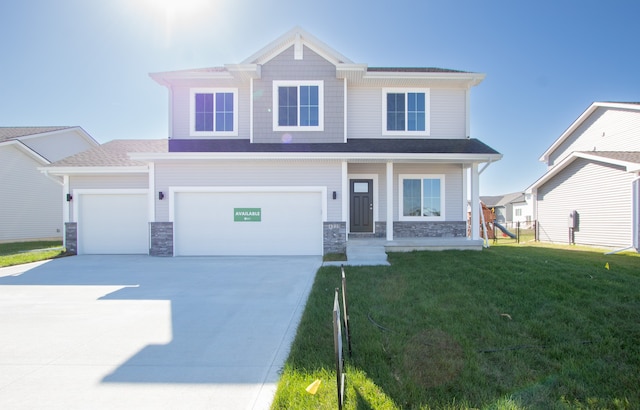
(248,223)
(111,223)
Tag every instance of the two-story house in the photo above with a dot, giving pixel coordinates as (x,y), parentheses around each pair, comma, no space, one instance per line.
(295,150)
(590,193)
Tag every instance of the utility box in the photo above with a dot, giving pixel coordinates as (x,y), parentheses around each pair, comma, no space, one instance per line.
(573,220)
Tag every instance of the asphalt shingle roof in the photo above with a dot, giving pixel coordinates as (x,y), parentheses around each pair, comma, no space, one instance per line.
(9,133)
(112,154)
(627,156)
(371,145)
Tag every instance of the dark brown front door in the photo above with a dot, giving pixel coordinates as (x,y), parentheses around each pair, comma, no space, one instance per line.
(361,205)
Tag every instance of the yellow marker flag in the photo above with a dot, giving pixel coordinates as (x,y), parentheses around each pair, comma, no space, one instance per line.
(313,387)
(606,266)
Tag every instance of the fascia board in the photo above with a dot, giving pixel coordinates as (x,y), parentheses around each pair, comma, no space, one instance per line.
(629,167)
(435,157)
(94,170)
(582,118)
(167,78)
(472,78)
(25,149)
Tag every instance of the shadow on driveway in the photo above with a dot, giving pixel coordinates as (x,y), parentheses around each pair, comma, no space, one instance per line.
(126,320)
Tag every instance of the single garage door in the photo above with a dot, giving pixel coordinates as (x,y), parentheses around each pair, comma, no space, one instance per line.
(248,223)
(112,223)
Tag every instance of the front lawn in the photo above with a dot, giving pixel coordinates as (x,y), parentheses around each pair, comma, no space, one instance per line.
(16,253)
(511,327)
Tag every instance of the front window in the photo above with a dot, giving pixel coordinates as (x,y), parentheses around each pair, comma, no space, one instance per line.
(422,197)
(298,106)
(405,112)
(214,112)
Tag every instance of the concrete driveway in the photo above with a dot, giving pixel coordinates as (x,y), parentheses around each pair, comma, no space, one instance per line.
(106,332)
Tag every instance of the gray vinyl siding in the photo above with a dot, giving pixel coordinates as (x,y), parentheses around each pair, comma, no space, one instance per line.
(250,174)
(31,205)
(447,115)
(454,202)
(54,147)
(109,182)
(312,68)
(600,193)
(606,129)
(181,106)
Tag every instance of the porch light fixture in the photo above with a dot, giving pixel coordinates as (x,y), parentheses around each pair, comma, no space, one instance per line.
(69,197)
(160,195)
(335,194)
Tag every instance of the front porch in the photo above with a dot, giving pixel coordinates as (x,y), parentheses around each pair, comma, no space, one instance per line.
(373,251)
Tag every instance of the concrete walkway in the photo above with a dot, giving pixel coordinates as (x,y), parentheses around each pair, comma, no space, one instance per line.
(106,332)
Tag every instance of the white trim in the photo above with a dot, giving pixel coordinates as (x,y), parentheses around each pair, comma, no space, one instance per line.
(628,166)
(298,83)
(578,122)
(345,191)
(427,112)
(376,198)
(389,181)
(21,146)
(467,113)
(251,110)
(143,169)
(237,189)
(345,113)
(431,157)
(421,177)
(151,199)
(192,106)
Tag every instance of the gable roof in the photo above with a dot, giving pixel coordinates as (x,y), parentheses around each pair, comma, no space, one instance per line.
(112,154)
(582,118)
(502,200)
(10,133)
(629,160)
(345,68)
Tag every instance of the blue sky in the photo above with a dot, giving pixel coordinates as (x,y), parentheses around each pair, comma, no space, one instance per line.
(86,62)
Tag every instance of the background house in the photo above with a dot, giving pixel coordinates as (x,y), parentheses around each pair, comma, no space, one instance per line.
(510,208)
(295,150)
(592,175)
(30,201)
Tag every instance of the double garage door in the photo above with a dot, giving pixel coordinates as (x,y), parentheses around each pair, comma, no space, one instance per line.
(247,223)
(205,223)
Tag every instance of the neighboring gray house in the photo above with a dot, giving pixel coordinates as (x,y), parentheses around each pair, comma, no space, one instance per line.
(295,150)
(510,208)
(593,167)
(30,202)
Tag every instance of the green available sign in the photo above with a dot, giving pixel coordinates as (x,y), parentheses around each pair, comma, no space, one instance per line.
(247,214)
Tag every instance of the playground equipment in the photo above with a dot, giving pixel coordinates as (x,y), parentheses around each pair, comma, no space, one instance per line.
(488,224)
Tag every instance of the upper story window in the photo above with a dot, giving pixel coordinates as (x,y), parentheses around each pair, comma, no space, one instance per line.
(405,111)
(214,112)
(298,105)
(421,197)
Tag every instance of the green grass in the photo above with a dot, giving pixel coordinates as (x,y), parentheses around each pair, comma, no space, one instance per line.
(16,253)
(511,327)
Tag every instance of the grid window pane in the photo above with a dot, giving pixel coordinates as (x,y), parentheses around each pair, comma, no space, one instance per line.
(309,106)
(224,112)
(411,197)
(395,112)
(431,197)
(288,106)
(204,112)
(416,112)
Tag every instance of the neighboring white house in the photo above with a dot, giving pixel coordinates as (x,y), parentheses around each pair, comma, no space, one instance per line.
(592,167)
(295,150)
(30,202)
(511,208)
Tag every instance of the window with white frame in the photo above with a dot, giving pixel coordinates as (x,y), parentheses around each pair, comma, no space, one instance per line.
(405,111)
(421,197)
(298,105)
(213,112)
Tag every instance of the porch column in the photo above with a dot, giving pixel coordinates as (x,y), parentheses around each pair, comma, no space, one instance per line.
(475,202)
(65,208)
(389,201)
(345,192)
